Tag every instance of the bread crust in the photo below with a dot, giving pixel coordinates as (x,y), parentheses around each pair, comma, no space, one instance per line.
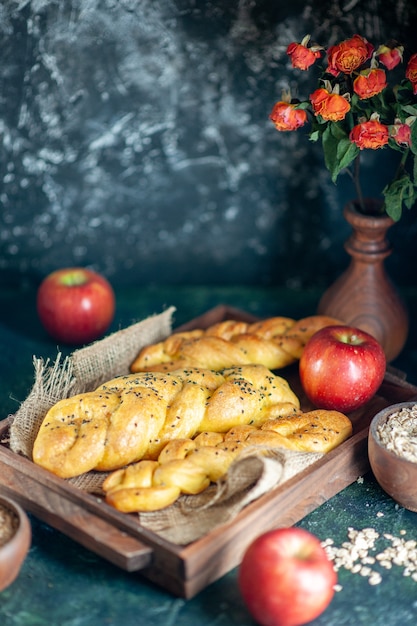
(190,465)
(132,417)
(275,342)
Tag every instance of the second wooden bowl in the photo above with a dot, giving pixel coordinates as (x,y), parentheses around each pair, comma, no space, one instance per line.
(395,474)
(15,540)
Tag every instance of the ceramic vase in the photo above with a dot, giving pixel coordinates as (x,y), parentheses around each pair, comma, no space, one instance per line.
(364,296)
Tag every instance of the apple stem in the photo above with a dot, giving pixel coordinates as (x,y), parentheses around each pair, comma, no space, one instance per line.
(74,279)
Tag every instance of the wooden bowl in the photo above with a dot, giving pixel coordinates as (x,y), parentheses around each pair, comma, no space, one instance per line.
(396,475)
(15,539)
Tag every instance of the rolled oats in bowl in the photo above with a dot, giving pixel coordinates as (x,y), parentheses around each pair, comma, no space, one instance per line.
(9,523)
(392,450)
(399,433)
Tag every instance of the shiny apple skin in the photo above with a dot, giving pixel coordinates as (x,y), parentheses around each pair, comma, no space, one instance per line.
(286,578)
(75,305)
(341,368)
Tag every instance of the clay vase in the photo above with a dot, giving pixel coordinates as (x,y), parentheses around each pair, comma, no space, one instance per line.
(364,296)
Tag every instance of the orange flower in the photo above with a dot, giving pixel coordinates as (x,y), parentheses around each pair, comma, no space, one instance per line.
(369,83)
(390,57)
(348,55)
(371,134)
(301,56)
(401,133)
(332,107)
(411,72)
(286,116)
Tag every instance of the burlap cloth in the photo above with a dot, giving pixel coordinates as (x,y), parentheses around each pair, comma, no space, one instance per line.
(253,474)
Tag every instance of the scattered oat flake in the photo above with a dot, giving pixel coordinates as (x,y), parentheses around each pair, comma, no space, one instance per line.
(360,554)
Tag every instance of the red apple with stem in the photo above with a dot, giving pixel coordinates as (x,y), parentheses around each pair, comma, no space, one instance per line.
(286,578)
(75,305)
(341,368)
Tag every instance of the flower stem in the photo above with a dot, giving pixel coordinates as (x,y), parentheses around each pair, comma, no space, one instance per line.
(356,180)
(401,165)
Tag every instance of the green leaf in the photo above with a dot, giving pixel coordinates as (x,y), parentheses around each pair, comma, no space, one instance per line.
(393,207)
(413,146)
(354,101)
(410,202)
(338,131)
(314,135)
(330,152)
(339,151)
(399,192)
(303,105)
(346,153)
(409,108)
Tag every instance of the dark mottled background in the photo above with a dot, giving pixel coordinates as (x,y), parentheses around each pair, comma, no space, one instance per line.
(136,140)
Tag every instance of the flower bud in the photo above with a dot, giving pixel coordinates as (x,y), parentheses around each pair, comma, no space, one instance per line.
(287,116)
(401,133)
(390,57)
(371,134)
(332,107)
(411,72)
(301,55)
(369,83)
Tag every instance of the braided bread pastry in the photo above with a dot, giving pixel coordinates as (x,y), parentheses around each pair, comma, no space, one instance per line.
(275,342)
(132,417)
(188,466)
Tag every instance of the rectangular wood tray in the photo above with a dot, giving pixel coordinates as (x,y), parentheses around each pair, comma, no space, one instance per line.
(185,570)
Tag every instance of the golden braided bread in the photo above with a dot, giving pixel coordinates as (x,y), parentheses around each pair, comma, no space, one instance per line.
(275,342)
(132,417)
(188,466)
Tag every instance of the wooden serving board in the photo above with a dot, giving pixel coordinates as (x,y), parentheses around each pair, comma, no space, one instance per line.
(185,570)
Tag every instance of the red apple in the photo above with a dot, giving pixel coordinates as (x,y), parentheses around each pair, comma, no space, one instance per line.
(341,368)
(286,578)
(75,305)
